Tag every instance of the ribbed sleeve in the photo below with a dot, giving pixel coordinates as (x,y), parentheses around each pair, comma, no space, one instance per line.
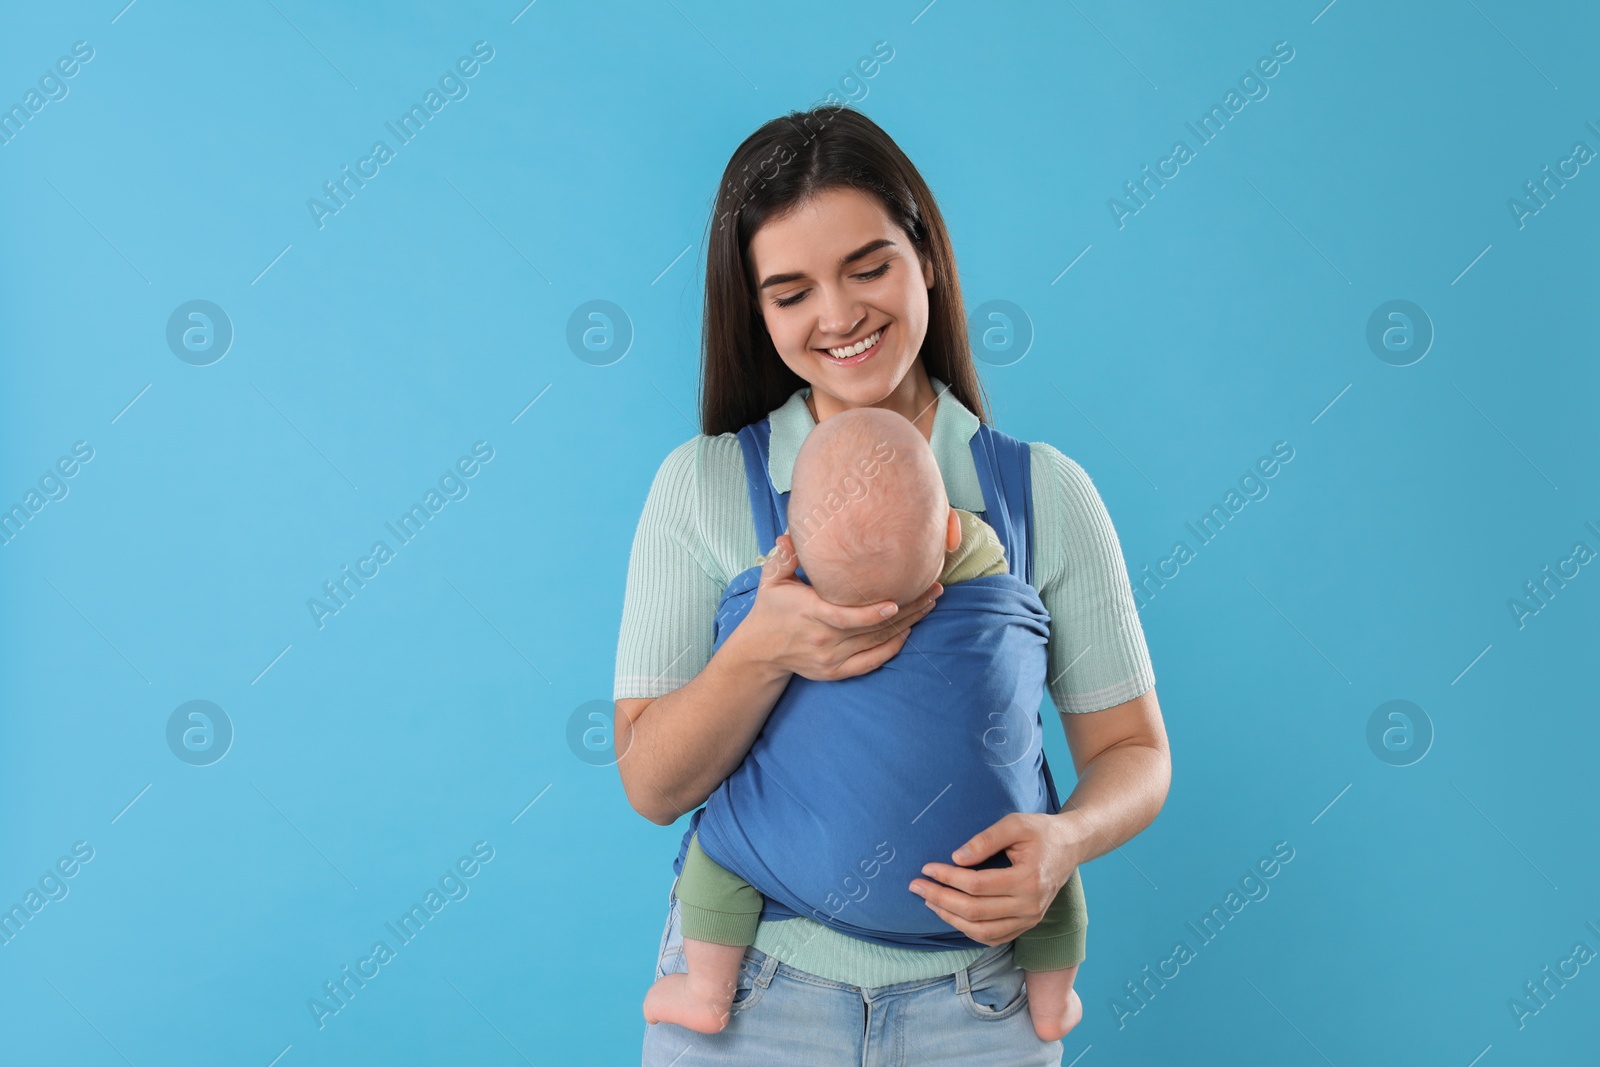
(1097,652)
(694,534)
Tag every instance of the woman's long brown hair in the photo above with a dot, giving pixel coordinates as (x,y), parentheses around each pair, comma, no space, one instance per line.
(784,162)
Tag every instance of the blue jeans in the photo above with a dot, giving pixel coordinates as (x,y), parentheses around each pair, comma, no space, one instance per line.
(782,1016)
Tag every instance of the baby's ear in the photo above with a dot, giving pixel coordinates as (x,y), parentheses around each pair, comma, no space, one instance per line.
(952,535)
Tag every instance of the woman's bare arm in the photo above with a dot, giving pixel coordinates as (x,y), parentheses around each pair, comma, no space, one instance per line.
(674,750)
(1124,772)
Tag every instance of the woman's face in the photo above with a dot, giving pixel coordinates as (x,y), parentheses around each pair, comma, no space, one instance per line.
(833,272)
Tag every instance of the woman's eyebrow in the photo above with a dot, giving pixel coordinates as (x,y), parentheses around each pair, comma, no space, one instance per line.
(865,250)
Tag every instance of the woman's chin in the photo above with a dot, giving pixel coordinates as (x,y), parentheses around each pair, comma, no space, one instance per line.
(869,383)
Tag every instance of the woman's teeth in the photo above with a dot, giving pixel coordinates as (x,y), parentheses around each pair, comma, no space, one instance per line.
(855,349)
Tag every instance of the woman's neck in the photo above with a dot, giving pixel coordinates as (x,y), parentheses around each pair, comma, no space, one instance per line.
(913,398)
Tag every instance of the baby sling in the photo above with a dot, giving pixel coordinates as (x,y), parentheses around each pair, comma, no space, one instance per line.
(852,785)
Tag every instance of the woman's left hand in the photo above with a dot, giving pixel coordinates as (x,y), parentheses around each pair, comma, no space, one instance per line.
(994,905)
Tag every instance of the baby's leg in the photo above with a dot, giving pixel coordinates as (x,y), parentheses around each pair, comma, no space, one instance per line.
(1053,1003)
(1049,955)
(719,914)
(700,998)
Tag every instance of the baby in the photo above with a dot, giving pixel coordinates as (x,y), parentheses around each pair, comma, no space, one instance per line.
(858,546)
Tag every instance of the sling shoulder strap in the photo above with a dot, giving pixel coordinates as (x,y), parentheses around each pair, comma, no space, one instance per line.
(768,507)
(1005,472)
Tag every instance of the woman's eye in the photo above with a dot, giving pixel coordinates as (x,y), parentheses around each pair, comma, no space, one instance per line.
(877,272)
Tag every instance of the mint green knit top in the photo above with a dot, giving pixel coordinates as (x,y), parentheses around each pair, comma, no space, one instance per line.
(696,533)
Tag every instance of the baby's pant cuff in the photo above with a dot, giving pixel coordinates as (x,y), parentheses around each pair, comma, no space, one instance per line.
(718,927)
(1052,953)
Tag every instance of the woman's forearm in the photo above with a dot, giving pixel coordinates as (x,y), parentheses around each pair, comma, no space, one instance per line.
(680,746)
(1119,793)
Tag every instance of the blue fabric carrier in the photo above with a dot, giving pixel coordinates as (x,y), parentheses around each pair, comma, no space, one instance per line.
(852,785)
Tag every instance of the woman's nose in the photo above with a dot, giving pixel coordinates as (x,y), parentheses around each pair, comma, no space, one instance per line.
(840,314)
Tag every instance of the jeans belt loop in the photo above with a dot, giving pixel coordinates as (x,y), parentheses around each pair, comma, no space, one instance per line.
(768,969)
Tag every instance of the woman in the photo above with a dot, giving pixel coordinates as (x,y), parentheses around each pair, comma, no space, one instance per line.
(825,237)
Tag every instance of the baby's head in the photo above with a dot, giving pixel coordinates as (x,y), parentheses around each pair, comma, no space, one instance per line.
(867,509)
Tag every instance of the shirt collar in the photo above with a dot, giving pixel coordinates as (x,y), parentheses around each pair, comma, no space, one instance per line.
(953,427)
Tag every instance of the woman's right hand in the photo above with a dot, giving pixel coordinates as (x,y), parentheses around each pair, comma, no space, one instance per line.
(795,630)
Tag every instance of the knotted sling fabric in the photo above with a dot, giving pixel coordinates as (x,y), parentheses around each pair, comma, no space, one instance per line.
(852,785)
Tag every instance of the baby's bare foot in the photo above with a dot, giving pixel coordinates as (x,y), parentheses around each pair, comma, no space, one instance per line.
(672,999)
(1053,1004)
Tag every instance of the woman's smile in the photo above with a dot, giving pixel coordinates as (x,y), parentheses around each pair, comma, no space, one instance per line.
(830,355)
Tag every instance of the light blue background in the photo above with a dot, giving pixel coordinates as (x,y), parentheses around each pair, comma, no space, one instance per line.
(1227,315)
